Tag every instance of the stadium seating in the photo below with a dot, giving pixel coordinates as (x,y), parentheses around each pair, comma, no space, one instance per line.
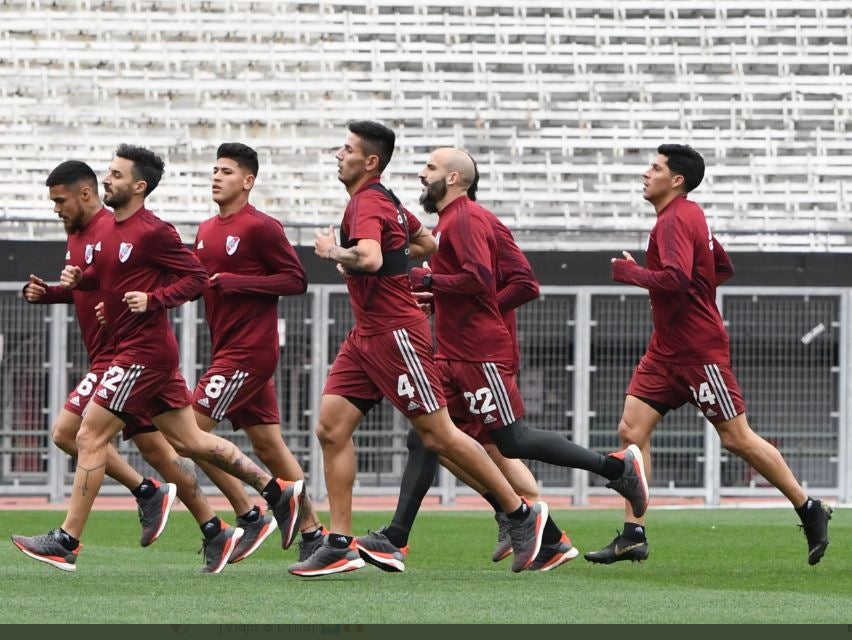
(563,104)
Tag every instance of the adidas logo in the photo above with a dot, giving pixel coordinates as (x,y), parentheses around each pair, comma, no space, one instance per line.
(710,413)
(413,405)
(204,402)
(75,400)
(103,393)
(489,419)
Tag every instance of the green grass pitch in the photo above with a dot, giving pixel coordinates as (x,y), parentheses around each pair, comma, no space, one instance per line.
(706,566)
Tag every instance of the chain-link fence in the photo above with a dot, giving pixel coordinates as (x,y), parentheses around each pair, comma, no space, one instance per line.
(790,349)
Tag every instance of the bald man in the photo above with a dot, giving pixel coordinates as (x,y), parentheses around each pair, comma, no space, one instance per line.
(479,376)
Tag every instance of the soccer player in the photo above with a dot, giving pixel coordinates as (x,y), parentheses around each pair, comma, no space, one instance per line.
(250,264)
(389,353)
(480,378)
(73,188)
(688,357)
(142,270)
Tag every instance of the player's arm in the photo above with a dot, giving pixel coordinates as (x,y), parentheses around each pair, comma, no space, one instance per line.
(516,282)
(422,243)
(37,291)
(286,275)
(675,245)
(722,263)
(189,279)
(474,256)
(365,255)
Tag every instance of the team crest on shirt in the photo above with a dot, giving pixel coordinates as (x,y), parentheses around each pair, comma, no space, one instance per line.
(231,245)
(124,251)
(90,253)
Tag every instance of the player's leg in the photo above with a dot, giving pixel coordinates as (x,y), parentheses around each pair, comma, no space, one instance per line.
(638,420)
(60,547)
(181,429)
(269,446)
(738,437)
(338,419)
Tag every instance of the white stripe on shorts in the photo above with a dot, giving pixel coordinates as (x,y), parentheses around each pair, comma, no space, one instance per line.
(122,392)
(498,389)
(415,368)
(714,376)
(229,392)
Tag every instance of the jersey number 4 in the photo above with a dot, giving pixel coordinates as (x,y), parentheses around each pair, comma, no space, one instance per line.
(703,395)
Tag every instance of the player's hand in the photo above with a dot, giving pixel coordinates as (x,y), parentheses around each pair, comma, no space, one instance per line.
(99,314)
(35,289)
(627,257)
(136,301)
(416,275)
(424,301)
(70,276)
(341,269)
(324,242)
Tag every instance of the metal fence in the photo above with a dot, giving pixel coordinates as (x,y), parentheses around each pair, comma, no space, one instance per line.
(790,348)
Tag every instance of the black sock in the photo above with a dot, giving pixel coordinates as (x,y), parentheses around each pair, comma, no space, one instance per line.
(552,534)
(271,492)
(805,510)
(146,489)
(520,513)
(490,499)
(252,515)
(67,540)
(312,535)
(417,477)
(612,468)
(397,536)
(211,528)
(339,541)
(634,531)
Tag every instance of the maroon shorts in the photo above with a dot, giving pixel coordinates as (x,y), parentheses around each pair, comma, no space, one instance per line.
(133,389)
(244,398)
(481,396)
(398,365)
(78,400)
(712,387)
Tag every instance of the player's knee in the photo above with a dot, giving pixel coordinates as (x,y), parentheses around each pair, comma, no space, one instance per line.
(65,439)
(89,439)
(735,440)
(628,433)
(328,434)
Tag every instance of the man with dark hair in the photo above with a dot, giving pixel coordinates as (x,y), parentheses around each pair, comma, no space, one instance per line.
(389,354)
(142,270)
(250,264)
(688,356)
(479,380)
(74,190)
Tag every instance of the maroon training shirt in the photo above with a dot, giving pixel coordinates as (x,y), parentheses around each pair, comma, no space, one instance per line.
(143,253)
(685,264)
(468,323)
(256,264)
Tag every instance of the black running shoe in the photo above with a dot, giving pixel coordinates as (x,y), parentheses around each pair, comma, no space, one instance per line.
(48,548)
(154,511)
(376,549)
(816,530)
(632,484)
(218,550)
(526,536)
(619,549)
(307,548)
(254,533)
(327,560)
(504,541)
(288,509)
